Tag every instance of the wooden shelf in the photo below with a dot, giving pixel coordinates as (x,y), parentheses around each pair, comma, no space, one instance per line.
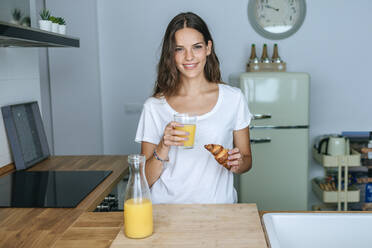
(266,67)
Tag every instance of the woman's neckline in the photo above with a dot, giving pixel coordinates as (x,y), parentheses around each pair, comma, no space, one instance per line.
(202,116)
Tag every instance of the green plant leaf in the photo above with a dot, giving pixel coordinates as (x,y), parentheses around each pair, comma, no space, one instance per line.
(45,14)
(53,19)
(61,21)
(16,13)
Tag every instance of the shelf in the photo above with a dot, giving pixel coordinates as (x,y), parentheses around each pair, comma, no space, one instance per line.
(335,161)
(266,67)
(20,36)
(331,196)
(347,195)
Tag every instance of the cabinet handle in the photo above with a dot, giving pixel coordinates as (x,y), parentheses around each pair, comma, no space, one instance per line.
(261,116)
(261,140)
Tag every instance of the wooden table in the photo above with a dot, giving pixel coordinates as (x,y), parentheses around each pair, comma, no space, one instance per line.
(42,227)
(227,225)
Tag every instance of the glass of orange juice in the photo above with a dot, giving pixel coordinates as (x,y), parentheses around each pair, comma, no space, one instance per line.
(189,125)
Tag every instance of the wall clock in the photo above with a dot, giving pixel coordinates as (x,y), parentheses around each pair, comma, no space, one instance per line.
(276,19)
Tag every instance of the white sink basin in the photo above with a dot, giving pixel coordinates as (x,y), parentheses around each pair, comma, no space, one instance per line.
(318,230)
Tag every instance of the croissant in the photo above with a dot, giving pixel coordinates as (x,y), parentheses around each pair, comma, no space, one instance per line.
(220,154)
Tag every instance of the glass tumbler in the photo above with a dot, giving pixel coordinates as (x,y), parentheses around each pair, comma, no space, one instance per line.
(189,125)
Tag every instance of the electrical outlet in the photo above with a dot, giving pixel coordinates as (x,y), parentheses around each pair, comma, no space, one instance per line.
(133,108)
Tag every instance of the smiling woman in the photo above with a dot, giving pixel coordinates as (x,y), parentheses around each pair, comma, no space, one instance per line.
(191,57)
(189,82)
(185,28)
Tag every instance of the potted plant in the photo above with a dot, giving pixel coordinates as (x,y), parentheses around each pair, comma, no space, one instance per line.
(45,23)
(16,16)
(55,24)
(26,21)
(62,25)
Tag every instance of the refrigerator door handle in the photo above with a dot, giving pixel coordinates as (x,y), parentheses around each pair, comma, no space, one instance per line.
(261,140)
(279,127)
(261,116)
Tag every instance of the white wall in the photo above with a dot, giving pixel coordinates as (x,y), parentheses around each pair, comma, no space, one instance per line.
(332,45)
(74,82)
(7,7)
(327,46)
(19,82)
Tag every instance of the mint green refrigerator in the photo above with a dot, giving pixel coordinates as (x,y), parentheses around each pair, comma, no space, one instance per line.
(279,132)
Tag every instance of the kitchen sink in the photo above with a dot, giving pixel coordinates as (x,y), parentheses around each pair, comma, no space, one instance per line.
(318,230)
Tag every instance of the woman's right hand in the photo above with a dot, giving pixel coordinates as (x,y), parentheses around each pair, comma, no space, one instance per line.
(172,137)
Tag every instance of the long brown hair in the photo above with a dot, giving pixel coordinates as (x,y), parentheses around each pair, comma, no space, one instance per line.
(167,83)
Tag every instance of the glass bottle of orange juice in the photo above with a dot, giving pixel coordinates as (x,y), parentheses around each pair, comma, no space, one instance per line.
(138,222)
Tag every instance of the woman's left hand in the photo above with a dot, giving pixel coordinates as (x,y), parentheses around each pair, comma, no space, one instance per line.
(235,160)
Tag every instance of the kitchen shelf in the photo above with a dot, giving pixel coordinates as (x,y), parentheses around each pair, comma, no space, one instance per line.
(353,194)
(335,161)
(341,161)
(266,67)
(20,36)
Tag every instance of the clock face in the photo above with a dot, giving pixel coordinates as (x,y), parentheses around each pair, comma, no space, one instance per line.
(277,16)
(276,19)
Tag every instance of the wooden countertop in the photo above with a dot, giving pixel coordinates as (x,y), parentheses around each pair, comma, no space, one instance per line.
(78,227)
(42,227)
(196,225)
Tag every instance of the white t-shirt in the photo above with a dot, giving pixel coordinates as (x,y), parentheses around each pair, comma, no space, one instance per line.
(193,175)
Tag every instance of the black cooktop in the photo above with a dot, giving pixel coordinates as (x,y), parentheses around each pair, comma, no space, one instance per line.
(49,189)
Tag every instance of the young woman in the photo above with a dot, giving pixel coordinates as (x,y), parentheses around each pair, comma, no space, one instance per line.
(189,81)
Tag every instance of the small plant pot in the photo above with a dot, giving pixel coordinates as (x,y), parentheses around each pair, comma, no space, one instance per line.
(62,29)
(55,27)
(15,22)
(45,25)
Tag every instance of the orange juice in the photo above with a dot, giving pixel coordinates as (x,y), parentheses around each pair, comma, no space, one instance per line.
(138,218)
(191,129)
